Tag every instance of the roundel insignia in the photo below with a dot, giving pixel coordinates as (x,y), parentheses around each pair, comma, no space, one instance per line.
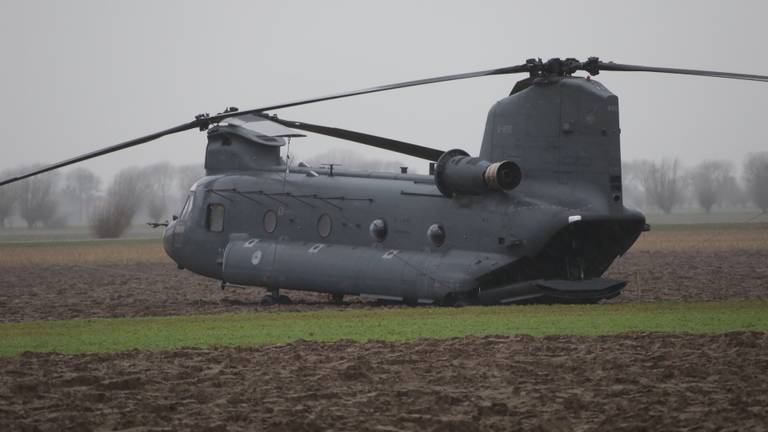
(256,257)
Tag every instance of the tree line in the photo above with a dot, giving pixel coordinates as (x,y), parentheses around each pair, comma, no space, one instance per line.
(666,184)
(76,197)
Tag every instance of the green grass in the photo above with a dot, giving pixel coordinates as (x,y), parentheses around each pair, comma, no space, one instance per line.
(249,329)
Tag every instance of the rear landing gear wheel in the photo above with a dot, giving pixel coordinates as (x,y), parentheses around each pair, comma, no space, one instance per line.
(273,298)
(269,300)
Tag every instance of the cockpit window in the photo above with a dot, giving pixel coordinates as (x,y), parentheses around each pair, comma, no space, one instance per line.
(187,207)
(215,218)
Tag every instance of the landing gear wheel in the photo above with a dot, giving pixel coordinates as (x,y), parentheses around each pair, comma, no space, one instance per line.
(337,299)
(269,300)
(456,300)
(284,299)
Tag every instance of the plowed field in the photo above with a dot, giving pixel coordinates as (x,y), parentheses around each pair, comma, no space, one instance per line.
(629,382)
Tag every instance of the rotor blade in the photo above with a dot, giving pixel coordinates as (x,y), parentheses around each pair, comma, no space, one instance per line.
(489,72)
(204,121)
(610,66)
(363,138)
(105,150)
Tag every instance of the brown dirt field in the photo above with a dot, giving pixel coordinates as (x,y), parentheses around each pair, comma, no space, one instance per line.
(633,382)
(137,279)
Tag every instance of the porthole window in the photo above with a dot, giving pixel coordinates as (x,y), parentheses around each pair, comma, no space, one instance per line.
(324,225)
(436,234)
(378,230)
(270,221)
(215,217)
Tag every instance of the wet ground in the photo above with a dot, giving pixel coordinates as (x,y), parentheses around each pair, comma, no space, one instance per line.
(631,382)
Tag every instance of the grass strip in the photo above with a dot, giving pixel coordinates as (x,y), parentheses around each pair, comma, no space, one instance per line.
(257,328)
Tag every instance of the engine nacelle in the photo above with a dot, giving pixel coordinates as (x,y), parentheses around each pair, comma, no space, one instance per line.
(456,173)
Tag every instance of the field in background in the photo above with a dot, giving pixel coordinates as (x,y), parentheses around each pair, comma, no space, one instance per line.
(695,216)
(79,233)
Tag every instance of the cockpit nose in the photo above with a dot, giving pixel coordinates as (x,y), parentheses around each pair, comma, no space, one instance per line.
(168,240)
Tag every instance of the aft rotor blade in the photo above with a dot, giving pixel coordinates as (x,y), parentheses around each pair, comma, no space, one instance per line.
(104,151)
(610,66)
(409,149)
(488,72)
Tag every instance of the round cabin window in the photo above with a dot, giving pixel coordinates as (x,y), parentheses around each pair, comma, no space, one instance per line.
(378,230)
(436,234)
(324,225)
(270,221)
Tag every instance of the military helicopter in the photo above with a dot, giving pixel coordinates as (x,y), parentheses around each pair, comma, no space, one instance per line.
(538,216)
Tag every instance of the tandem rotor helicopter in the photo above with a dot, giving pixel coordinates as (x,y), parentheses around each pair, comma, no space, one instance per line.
(538,216)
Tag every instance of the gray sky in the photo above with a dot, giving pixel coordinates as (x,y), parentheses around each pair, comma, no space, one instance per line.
(78,75)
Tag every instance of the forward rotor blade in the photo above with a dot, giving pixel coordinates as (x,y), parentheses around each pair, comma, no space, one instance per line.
(489,72)
(409,149)
(104,151)
(203,121)
(610,66)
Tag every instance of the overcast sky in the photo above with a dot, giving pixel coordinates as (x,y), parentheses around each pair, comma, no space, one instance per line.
(77,75)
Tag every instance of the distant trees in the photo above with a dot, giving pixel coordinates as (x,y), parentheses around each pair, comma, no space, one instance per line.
(633,173)
(36,198)
(711,182)
(662,183)
(159,178)
(756,179)
(82,184)
(186,176)
(8,196)
(123,200)
(53,199)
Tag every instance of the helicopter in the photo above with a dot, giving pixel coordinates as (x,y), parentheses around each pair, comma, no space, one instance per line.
(537,216)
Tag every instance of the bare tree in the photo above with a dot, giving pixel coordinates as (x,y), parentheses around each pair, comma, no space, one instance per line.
(123,200)
(663,184)
(710,181)
(734,194)
(633,175)
(36,197)
(159,178)
(83,184)
(8,198)
(756,179)
(186,176)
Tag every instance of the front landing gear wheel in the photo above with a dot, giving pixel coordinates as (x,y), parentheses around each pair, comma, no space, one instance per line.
(337,299)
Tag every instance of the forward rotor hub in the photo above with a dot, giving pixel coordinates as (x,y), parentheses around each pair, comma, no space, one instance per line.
(561,67)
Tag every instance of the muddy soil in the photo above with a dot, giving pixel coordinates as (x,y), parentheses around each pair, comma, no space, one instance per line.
(138,279)
(630,382)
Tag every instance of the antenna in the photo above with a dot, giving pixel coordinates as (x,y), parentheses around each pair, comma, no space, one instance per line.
(287,162)
(330,167)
